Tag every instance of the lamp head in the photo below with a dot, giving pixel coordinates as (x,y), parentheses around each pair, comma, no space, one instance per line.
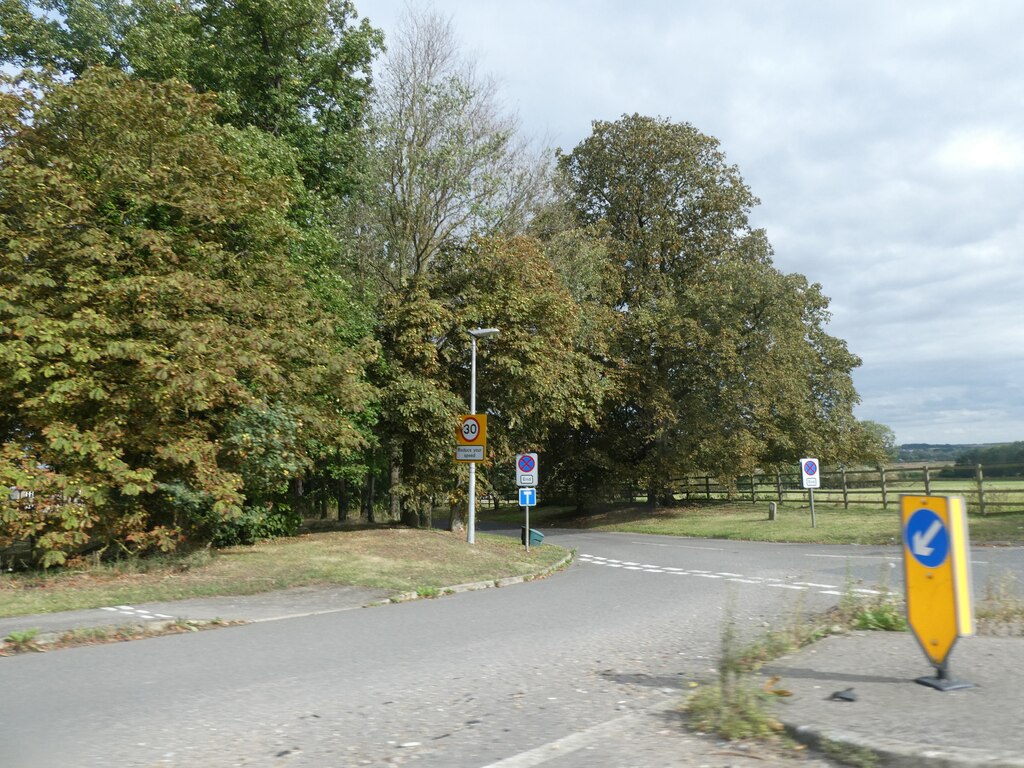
(480,333)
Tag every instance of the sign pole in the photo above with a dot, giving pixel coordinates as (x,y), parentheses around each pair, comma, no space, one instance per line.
(527,529)
(471,512)
(810,492)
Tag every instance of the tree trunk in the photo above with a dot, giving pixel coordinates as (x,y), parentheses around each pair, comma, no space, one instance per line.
(458,517)
(369,498)
(341,494)
(426,513)
(395,482)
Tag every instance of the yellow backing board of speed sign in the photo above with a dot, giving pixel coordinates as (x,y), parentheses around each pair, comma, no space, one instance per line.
(472,429)
(937,572)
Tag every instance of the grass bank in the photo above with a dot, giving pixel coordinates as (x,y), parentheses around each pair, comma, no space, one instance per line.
(724,520)
(399,559)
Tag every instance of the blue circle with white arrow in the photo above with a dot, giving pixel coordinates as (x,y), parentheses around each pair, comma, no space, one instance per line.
(927,538)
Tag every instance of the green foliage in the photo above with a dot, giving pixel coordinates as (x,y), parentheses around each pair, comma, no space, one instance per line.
(23,641)
(733,708)
(721,360)
(150,312)
(296,69)
(883,611)
(1003,460)
(255,524)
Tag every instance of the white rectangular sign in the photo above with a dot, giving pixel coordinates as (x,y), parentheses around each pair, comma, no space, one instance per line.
(810,473)
(469,453)
(526,470)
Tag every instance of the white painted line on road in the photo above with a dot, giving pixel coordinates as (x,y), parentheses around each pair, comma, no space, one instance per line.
(812,584)
(739,578)
(856,557)
(677,546)
(577,741)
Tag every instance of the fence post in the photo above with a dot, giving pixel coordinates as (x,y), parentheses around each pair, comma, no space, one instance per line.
(981,488)
(753,488)
(778,484)
(707,486)
(885,493)
(846,491)
(927,481)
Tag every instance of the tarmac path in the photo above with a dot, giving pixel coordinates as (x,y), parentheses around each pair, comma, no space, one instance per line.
(583,668)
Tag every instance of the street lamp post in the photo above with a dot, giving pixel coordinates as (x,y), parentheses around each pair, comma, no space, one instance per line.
(476,333)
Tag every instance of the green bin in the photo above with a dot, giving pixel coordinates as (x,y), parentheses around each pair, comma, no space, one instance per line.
(536,537)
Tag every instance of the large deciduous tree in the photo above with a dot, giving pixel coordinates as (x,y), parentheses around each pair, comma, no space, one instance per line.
(725,363)
(447,166)
(165,362)
(297,69)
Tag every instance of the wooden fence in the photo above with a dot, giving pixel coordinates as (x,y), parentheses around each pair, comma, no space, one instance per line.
(1001,491)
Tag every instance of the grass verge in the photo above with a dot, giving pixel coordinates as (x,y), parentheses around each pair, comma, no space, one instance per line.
(725,520)
(399,559)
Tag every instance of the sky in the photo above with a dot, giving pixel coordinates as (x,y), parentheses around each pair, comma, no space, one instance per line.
(885,141)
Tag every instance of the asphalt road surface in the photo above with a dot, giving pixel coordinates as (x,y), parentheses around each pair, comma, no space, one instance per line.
(510,677)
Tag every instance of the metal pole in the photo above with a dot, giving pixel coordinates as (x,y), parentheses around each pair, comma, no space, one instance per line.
(811,492)
(471,519)
(527,528)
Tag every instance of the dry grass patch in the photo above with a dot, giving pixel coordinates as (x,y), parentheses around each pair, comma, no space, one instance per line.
(394,558)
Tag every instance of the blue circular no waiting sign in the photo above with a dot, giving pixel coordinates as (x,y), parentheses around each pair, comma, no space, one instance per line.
(526,463)
(810,467)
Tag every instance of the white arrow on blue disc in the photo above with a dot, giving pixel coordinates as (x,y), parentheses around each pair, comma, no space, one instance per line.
(927,538)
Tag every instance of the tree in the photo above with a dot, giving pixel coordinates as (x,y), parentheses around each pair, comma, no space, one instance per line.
(878,442)
(299,70)
(446,166)
(169,365)
(724,363)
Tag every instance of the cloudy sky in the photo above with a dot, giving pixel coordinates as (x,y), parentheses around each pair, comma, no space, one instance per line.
(885,141)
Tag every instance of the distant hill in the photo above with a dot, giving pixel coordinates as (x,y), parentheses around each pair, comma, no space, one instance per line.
(936,451)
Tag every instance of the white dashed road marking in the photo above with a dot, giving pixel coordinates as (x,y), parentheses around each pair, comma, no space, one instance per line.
(766,581)
(136,613)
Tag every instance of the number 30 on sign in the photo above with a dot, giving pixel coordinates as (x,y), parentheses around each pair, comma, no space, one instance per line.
(472,429)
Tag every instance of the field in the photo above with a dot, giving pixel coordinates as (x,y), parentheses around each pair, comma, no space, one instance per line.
(745,520)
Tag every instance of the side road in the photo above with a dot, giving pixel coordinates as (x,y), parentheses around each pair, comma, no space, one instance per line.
(891,721)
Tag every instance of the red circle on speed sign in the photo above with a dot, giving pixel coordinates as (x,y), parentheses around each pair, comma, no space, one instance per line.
(470,430)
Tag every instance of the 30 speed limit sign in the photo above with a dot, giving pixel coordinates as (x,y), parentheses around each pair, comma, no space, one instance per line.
(471,437)
(472,429)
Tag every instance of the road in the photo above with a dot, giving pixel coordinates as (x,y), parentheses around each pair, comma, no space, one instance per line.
(519,674)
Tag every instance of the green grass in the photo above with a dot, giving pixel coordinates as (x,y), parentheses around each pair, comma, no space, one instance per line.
(744,520)
(399,559)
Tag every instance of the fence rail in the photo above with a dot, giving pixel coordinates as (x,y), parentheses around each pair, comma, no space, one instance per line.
(1002,490)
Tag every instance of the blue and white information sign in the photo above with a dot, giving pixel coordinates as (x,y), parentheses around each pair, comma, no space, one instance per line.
(809,473)
(927,538)
(527,497)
